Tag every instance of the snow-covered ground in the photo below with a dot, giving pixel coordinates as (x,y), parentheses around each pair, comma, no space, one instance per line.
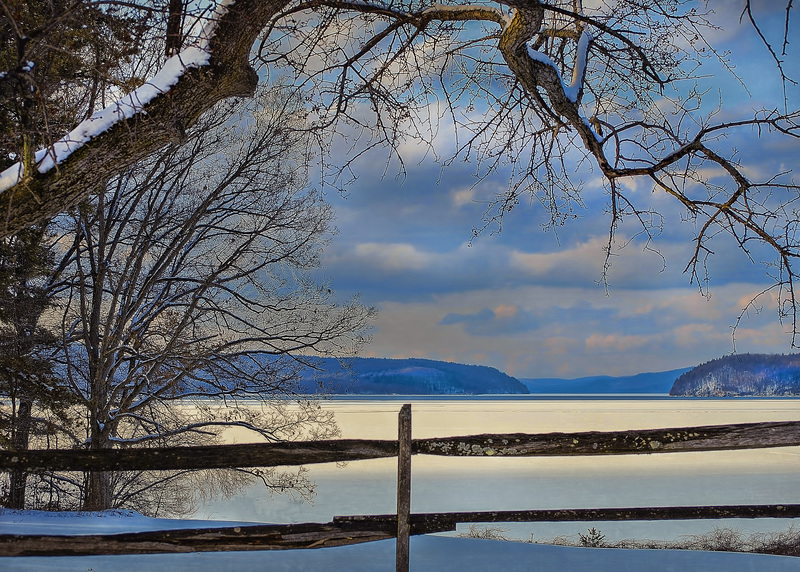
(428,553)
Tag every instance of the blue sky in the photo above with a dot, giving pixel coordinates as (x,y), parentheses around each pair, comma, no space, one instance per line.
(529,301)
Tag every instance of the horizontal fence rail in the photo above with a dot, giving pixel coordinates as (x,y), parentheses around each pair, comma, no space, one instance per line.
(201,457)
(645,441)
(446,521)
(348,530)
(224,539)
(706,438)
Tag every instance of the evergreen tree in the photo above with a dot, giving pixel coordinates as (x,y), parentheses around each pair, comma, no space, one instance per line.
(27,381)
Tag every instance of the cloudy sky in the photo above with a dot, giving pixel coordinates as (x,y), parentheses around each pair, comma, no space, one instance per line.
(529,301)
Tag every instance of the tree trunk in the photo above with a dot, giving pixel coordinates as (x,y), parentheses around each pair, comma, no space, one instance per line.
(174,28)
(99,494)
(22,431)
(98,491)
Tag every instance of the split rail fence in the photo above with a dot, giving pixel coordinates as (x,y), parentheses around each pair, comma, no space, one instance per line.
(362,528)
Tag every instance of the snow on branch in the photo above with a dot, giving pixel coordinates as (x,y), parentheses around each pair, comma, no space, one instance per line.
(434,12)
(572,91)
(468,11)
(579,69)
(104,119)
(210,27)
(194,56)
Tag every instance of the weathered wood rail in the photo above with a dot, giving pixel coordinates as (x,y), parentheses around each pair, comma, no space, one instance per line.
(363,528)
(447,521)
(259,537)
(348,530)
(647,441)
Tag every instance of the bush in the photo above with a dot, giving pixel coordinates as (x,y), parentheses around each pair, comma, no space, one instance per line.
(485,532)
(592,538)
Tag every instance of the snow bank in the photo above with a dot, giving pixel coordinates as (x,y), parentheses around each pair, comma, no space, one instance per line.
(428,552)
(103,522)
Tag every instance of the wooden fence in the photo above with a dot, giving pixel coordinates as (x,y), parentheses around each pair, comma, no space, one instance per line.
(362,528)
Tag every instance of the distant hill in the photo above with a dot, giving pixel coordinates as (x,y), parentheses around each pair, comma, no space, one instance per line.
(741,375)
(383,376)
(656,382)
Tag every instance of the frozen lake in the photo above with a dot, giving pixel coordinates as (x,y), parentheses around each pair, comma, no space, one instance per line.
(440,484)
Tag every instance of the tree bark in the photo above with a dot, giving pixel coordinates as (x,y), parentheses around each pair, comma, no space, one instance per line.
(174,25)
(22,431)
(98,491)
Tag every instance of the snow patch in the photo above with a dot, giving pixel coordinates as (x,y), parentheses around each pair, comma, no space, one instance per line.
(210,27)
(575,86)
(113,521)
(535,54)
(579,69)
(455,9)
(573,89)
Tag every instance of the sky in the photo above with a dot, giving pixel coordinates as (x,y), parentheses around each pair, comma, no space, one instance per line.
(531,302)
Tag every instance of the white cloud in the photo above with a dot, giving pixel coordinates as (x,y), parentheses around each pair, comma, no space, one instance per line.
(462,197)
(586,256)
(584,263)
(392,257)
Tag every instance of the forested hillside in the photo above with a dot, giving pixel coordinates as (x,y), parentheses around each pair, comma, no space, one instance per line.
(650,382)
(382,376)
(742,374)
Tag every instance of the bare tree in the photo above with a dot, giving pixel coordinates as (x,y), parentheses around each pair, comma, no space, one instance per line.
(531,86)
(187,280)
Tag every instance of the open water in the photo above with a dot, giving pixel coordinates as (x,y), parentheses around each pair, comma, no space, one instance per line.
(440,484)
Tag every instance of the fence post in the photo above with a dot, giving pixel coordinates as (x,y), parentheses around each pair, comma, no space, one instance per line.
(403,487)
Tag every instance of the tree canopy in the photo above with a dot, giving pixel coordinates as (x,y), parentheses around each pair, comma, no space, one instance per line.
(180,306)
(532,86)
